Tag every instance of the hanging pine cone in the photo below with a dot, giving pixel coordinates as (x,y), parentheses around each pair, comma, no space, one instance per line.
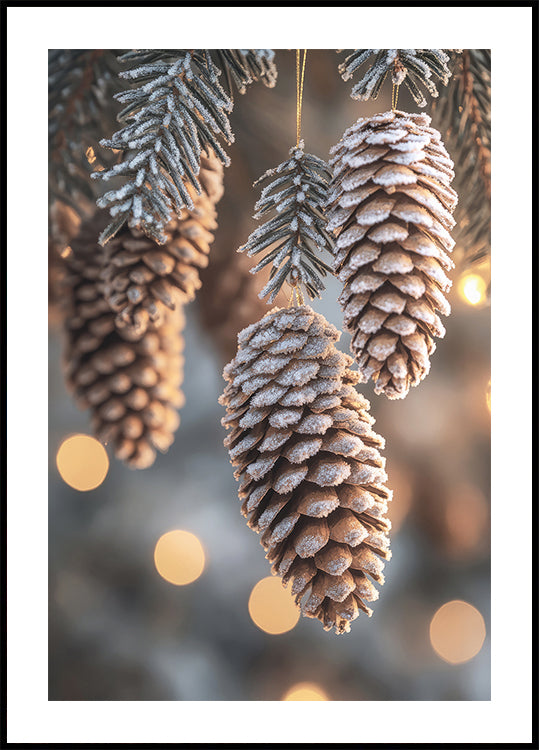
(142,280)
(310,472)
(132,389)
(390,206)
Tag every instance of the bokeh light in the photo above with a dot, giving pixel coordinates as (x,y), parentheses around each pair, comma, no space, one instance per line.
(487,396)
(82,462)
(90,155)
(457,632)
(272,607)
(472,288)
(179,557)
(305,691)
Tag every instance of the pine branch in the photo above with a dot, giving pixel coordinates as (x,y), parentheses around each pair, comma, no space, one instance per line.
(295,196)
(79,111)
(242,67)
(177,110)
(463,115)
(413,67)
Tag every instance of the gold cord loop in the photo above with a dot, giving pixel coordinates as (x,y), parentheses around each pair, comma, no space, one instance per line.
(299,91)
(394,96)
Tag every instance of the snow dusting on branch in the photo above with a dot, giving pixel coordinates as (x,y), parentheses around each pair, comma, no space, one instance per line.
(177,110)
(295,234)
(413,67)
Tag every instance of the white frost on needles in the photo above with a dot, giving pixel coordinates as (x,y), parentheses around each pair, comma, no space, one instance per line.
(295,233)
(413,67)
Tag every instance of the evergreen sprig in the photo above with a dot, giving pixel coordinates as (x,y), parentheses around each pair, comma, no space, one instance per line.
(241,67)
(295,234)
(81,82)
(463,116)
(413,67)
(176,110)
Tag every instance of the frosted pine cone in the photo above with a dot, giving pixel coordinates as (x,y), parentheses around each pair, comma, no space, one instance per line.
(391,207)
(310,472)
(142,280)
(132,389)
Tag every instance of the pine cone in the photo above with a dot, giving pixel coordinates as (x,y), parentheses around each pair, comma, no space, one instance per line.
(132,389)
(390,206)
(311,475)
(142,280)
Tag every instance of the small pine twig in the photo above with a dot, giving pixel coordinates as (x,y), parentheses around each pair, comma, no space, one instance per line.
(296,232)
(413,67)
(241,67)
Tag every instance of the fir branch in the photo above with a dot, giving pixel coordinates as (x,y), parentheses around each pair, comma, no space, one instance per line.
(463,116)
(413,67)
(293,197)
(79,112)
(176,110)
(242,67)
(239,67)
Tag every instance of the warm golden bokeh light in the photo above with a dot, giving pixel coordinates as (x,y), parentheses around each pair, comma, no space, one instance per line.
(82,462)
(272,607)
(487,396)
(472,288)
(457,632)
(90,155)
(305,691)
(179,557)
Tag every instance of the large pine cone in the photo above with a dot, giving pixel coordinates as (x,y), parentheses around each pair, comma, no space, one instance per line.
(391,207)
(142,280)
(310,472)
(132,389)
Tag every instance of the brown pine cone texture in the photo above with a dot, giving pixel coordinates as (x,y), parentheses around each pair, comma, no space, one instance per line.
(308,463)
(391,208)
(132,388)
(142,280)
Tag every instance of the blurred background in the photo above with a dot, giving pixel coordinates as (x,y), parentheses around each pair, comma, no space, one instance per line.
(158,589)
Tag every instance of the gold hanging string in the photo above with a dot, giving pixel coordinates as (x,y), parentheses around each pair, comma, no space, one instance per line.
(296,295)
(299,91)
(394,96)
(292,290)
